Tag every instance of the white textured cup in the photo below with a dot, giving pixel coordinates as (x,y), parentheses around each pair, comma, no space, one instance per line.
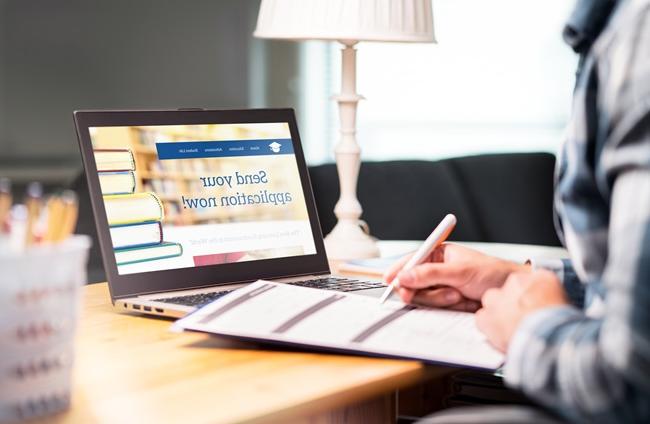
(39,302)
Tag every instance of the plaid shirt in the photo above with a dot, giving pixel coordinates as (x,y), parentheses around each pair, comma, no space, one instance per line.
(590,362)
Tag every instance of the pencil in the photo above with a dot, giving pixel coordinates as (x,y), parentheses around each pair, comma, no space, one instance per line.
(5,203)
(55,211)
(70,214)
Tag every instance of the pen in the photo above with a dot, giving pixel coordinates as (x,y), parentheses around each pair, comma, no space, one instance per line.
(435,239)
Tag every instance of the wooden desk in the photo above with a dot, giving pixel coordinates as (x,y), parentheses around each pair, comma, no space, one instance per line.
(131,368)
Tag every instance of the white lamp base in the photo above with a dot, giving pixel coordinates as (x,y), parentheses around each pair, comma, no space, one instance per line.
(349,241)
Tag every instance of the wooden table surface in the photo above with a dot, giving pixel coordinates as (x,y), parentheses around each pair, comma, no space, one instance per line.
(132,368)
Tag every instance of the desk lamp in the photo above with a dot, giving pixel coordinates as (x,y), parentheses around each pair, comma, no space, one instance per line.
(348,22)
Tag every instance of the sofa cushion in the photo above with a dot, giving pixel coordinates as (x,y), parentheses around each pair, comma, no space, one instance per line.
(496,198)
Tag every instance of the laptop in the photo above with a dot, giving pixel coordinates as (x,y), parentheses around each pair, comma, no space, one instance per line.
(191,204)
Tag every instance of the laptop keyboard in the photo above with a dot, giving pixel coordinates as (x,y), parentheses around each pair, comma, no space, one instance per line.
(194,299)
(339,284)
(329,283)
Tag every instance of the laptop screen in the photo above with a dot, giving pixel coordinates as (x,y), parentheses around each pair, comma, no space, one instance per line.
(181,196)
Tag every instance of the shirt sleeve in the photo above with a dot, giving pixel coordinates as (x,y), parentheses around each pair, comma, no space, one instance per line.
(563,268)
(596,367)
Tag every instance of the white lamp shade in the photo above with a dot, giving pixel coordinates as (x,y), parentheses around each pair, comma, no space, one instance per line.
(355,20)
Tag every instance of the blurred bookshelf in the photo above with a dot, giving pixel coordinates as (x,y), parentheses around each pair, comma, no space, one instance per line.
(172,179)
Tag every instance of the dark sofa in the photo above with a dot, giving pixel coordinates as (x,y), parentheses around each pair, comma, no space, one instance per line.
(504,198)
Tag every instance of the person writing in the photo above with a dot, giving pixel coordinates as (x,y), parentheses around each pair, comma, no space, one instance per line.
(576,333)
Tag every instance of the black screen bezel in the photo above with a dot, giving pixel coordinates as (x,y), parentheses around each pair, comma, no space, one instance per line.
(129,285)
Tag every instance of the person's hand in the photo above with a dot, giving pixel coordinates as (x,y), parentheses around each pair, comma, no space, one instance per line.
(521,294)
(452,277)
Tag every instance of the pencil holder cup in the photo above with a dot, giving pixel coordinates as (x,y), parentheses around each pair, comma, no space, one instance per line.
(39,302)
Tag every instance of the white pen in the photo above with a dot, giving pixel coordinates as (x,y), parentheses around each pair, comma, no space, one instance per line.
(435,239)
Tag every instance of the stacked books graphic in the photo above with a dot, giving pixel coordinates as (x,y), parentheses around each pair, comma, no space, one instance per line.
(134,218)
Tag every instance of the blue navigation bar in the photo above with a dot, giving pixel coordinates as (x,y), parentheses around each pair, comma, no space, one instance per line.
(218,149)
